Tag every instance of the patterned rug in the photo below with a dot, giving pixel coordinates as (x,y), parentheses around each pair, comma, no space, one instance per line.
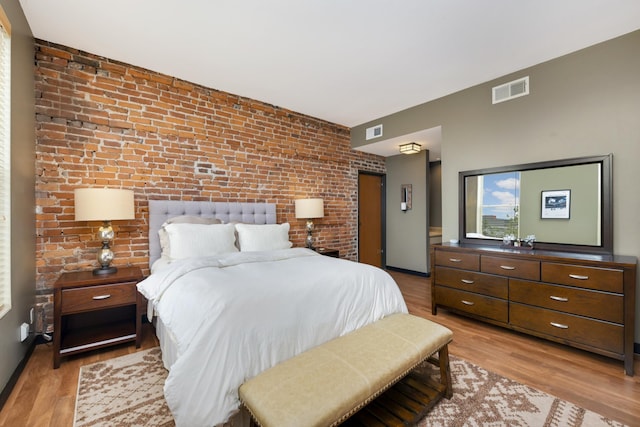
(127,391)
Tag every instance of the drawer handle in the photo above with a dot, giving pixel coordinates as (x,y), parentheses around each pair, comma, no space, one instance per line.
(99,297)
(467,302)
(507,267)
(561,299)
(467,281)
(455,260)
(579,277)
(559,325)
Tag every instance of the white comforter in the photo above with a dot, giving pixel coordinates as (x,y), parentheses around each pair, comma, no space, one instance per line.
(236,315)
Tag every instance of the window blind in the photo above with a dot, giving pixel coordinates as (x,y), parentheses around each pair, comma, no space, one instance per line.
(5,164)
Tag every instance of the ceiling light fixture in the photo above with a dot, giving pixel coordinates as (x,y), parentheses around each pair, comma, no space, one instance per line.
(410,148)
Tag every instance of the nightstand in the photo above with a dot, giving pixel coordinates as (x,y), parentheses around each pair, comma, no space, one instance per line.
(328,252)
(93,311)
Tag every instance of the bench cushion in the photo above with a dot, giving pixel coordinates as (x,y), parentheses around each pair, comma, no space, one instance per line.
(328,383)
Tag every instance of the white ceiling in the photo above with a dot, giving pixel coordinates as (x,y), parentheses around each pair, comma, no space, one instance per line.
(345,61)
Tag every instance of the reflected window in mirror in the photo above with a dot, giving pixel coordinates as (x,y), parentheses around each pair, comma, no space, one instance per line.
(493,203)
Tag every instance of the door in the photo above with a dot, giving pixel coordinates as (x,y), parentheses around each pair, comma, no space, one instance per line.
(370,216)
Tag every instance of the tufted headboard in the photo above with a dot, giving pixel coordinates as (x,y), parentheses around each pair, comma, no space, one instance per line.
(161,210)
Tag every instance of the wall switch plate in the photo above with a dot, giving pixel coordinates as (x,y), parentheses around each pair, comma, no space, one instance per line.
(24,331)
(31,311)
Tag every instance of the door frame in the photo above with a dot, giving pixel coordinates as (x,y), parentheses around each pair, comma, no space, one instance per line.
(383,214)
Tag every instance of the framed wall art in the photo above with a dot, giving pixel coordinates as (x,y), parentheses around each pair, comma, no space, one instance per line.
(555,204)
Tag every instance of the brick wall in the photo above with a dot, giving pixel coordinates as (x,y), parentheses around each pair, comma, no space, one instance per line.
(105,123)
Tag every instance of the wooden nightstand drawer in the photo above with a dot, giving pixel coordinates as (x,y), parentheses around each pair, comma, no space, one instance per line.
(94,311)
(97,297)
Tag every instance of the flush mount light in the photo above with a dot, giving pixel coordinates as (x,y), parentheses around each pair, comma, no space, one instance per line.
(410,148)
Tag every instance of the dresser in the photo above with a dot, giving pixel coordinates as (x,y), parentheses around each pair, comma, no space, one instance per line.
(582,300)
(94,311)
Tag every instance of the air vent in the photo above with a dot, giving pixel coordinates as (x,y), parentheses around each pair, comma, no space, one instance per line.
(374,132)
(514,89)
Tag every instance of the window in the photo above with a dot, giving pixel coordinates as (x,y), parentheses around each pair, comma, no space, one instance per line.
(5,164)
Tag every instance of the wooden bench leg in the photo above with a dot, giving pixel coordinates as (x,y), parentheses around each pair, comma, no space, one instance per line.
(445,371)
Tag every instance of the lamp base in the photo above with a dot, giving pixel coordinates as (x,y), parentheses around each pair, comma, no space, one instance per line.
(104,270)
(309,240)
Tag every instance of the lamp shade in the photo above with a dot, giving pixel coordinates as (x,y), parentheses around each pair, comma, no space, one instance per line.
(309,208)
(103,204)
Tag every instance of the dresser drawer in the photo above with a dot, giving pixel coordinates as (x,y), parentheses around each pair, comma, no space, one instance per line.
(486,284)
(603,335)
(97,297)
(461,260)
(598,305)
(480,305)
(603,279)
(520,268)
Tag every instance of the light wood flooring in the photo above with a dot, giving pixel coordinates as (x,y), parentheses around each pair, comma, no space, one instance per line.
(46,397)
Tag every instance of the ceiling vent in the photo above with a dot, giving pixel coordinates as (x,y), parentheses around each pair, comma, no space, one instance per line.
(374,132)
(507,91)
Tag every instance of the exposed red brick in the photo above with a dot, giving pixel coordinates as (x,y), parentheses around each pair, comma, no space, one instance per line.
(104,123)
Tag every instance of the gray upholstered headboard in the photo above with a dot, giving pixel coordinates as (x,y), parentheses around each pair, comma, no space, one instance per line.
(161,210)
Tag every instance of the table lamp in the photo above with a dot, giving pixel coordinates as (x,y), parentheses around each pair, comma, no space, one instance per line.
(106,205)
(308,209)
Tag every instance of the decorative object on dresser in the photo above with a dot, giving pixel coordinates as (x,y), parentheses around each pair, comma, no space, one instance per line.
(328,252)
(94,311)
(309,209)
(582,300)
(104,204)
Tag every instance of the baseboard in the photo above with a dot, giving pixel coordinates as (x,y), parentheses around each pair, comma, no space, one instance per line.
(6,392)
(404,270)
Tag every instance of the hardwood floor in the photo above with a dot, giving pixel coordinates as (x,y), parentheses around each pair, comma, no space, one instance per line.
(46,397)
(594,382)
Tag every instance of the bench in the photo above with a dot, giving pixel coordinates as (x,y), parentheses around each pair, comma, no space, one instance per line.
(327,384)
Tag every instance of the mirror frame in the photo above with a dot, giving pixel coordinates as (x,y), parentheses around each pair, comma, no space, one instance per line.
(606,206)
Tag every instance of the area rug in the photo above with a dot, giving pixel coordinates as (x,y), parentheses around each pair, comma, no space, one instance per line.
(127,391)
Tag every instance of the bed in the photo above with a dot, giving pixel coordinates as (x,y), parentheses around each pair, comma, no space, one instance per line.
(224,314)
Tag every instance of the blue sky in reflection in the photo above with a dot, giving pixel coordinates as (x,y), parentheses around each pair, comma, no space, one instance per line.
(501,194)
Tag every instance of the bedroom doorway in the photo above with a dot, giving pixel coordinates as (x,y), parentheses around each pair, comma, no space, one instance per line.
(370,219)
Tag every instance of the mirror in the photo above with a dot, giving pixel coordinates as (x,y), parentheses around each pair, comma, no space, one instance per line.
(566,204)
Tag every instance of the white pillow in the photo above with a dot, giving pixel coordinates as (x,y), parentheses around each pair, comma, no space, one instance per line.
(263,237)
(165,248)
(198,240)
